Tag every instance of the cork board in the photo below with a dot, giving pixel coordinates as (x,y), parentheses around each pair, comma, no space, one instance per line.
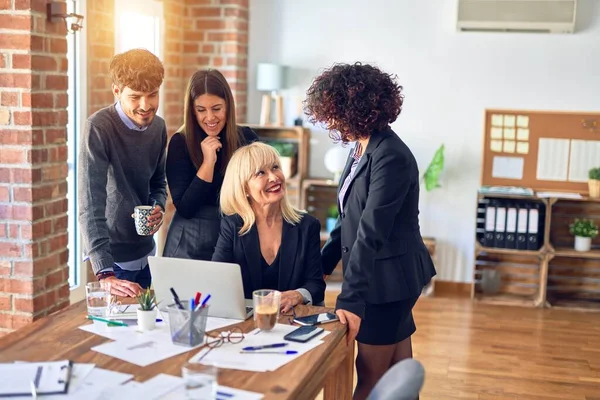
(541,150)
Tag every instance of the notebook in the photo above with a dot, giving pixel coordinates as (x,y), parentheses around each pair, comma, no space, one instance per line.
(20,379)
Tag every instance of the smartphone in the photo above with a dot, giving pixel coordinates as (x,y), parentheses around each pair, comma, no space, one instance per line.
(316,319)
(303,334)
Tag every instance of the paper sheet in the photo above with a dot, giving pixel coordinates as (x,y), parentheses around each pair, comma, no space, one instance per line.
(509,133)
(143,348)
(496,133)
(497,120)
(509,146)
(229,355)
(94,384)
(523,121)
(496,146)
(509,120)
(522,147)
(523,134)
(559,195)
(154,388)
(585,154)
(553,159)
(508,167)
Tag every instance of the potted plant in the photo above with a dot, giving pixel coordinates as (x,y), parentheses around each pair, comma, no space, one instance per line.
(332,216)
(594,182)
(146,312)
(584,231)
(287,156)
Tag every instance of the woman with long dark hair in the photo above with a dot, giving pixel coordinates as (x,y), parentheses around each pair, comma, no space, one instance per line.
(197,157)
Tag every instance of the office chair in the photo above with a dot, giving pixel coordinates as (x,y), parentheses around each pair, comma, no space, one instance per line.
(401,382)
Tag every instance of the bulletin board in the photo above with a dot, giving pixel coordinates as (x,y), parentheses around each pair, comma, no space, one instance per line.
(541,150)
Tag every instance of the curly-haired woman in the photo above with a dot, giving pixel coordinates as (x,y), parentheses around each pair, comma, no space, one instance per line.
(385,262)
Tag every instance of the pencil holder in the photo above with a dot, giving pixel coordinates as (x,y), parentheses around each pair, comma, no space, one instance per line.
(187,327)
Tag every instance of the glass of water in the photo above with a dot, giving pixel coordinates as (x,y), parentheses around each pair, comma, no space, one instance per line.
(200,381)
(97,295)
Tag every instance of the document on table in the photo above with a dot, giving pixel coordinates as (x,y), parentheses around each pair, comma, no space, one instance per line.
(230,356)
(168,387)
(126,332)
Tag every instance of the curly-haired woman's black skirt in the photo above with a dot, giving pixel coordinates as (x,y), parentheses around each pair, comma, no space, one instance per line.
(387,323)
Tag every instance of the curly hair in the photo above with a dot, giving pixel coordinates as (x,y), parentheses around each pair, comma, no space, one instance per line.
(138,69)
(355,100)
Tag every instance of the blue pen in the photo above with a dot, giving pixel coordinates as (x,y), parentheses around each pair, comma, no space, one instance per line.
(192,304)
(205,300)
(266,346)
(286,352)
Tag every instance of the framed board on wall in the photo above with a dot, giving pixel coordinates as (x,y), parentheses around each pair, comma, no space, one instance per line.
(541,150)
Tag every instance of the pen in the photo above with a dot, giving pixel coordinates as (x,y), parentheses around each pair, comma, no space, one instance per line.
(33,391)
(197,298)
(266,346)
(205,300)
(176,299)
(108,321)
(286,352)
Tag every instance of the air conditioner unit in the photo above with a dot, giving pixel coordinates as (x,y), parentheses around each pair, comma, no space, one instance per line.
(546,16)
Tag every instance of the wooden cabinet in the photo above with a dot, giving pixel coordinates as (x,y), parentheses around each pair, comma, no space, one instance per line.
(300,137)
(555,275)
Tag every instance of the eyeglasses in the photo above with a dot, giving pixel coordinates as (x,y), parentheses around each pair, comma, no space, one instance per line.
(216,339)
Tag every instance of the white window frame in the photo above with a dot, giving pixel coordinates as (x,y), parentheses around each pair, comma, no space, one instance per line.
(153,8)
(79,119)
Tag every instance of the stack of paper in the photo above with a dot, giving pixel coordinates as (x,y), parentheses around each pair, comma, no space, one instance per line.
(229,355)
(143,348)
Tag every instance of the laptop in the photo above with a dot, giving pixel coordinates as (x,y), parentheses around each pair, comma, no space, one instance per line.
(223,281)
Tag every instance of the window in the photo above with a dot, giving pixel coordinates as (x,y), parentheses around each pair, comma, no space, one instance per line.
(76,109)
(140,24)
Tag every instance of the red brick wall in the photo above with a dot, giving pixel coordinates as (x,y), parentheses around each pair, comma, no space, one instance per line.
(99,24)
(33,168)
(216,36)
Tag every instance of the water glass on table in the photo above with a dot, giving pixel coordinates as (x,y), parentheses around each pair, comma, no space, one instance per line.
(266,308)
(98,298)
(200,381)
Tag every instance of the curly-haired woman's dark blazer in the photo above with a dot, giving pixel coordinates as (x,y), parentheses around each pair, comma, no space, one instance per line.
(377,235)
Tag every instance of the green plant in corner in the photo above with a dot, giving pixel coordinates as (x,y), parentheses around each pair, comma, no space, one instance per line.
(332,212)
(284,149)
(147,300)
(583,228)
(435,168)
(594,173)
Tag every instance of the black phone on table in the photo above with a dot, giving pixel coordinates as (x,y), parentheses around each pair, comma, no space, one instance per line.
(316,319)
(303,334)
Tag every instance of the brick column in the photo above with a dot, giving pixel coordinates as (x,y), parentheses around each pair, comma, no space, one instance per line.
(99,24)
(216,36)
(33,168)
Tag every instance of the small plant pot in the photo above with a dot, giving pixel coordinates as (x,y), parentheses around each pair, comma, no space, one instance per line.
(594,188)
(583,243)
(288,166)
(146,319)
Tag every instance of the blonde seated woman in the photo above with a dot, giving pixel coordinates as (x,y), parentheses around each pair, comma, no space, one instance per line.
(276,245)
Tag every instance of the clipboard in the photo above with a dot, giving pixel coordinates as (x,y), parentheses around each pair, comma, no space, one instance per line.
(48,378)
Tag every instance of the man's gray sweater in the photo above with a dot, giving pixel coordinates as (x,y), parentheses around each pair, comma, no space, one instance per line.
(119,168)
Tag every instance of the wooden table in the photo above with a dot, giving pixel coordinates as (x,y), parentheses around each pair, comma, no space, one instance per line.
(328,366)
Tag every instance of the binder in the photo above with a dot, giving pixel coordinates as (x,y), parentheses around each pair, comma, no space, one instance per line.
(533,228)
(522,220)
(48,378)
(500,238)
(490,224)
(511,227)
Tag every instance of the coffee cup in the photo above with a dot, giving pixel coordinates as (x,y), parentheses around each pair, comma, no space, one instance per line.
(141,216)
(266,308)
